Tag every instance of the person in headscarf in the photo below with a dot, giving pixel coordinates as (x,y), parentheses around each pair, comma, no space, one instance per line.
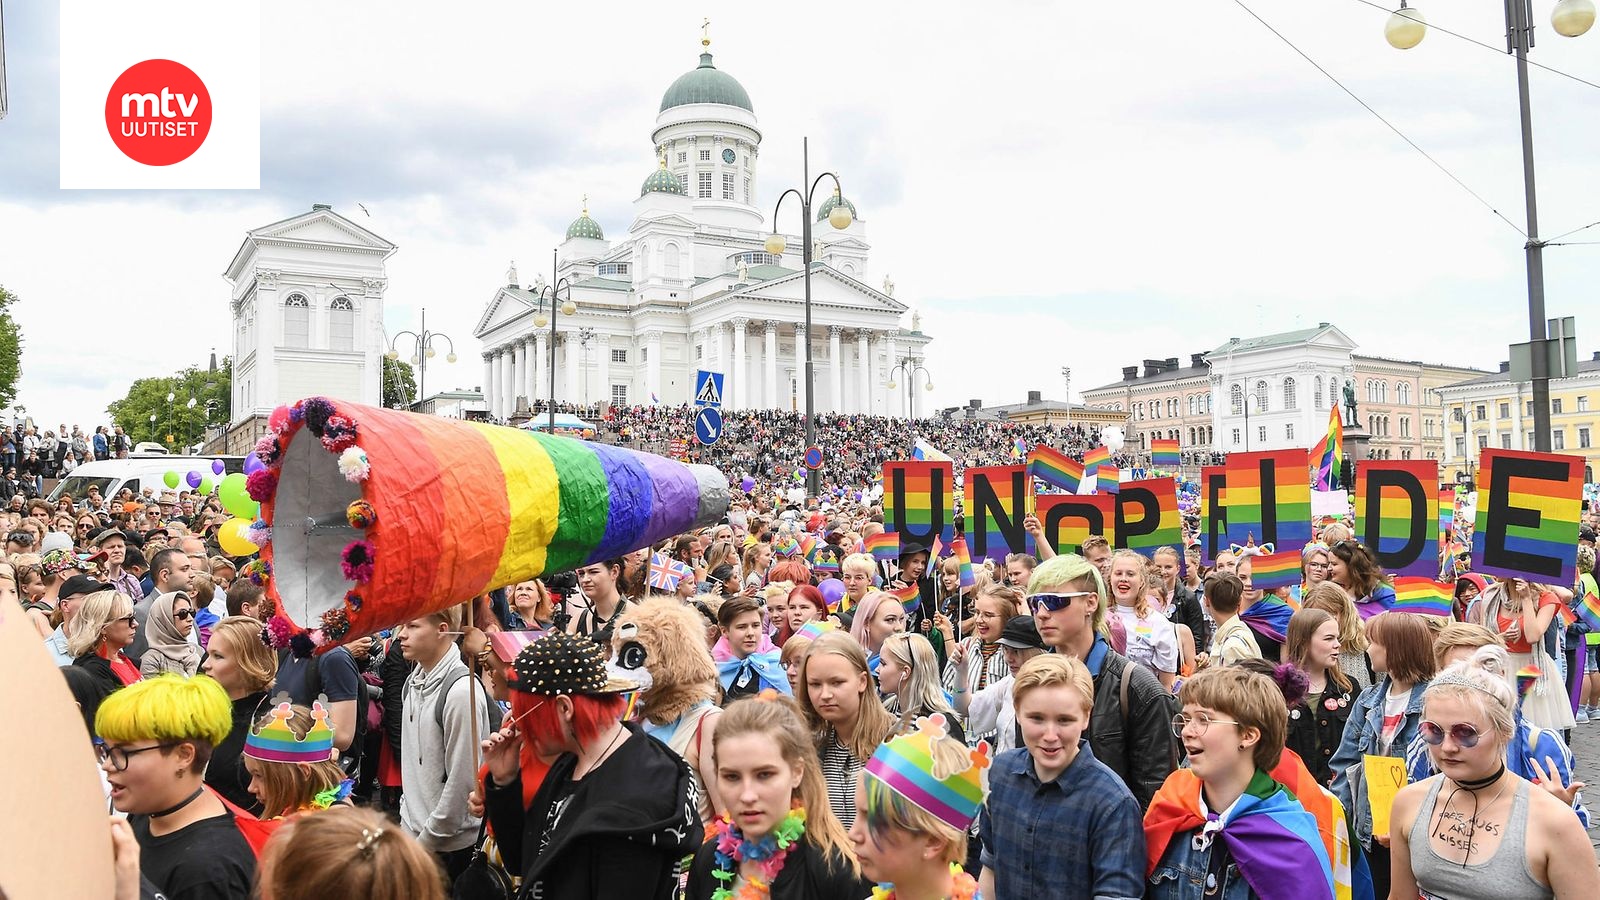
(167,630)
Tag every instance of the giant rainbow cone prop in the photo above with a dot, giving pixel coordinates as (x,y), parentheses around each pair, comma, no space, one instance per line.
(377,516)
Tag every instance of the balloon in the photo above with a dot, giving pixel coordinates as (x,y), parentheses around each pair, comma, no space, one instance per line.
(252,462)
(235,498)
(192,479)
(206,484)
(230,536)
(747,484)
(832,589)
(217,468)
(170,479)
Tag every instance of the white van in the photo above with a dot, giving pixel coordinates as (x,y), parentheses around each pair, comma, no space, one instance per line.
(137,472)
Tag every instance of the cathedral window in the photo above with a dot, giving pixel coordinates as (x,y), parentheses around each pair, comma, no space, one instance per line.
(341,324)
(619,395)
(705,185)
(747,189)
(683,181)
(705,155)
(619,355)
(296,321)
(683,157)
(727,185)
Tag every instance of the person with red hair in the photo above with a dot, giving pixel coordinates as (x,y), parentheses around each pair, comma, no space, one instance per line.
(615,815)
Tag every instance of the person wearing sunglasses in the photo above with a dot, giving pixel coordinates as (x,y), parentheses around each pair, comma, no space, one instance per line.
(156,739)
(167,631)
(1478,828)
(1128,730)
(98,634)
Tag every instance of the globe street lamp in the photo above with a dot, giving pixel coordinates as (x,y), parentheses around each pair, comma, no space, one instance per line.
(1570,18)
(839,217)
(551,293)
(422,350)
(909,367)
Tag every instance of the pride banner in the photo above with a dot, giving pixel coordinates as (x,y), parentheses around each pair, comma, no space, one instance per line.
(993,503)
(1269,501)
(1397,516)
(1213,513)
(1069,519)
(1147,515)
(919,501)
(1528,509)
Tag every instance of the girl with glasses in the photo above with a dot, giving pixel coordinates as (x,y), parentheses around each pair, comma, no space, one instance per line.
(1315,562)
(167,632)
(1477,827)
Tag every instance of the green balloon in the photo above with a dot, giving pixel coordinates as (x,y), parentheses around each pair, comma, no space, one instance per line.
(205,484)
(170,479)
(236,498)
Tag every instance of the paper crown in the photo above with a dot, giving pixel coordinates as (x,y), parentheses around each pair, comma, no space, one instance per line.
(905,765)
(537,503)
(276,741)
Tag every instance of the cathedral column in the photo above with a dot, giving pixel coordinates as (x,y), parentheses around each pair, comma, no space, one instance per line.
(602,362)
(835,370)
(893,401)
(771,350)
(574,386)
(719,346)
(508,382)
(541,346)
(739,376)
(801,339)
(530,380)
(863,373)
(653,370)
(519,371)
(488,380)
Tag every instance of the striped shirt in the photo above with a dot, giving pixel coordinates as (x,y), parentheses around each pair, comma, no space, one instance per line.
(839,770)
(982,671)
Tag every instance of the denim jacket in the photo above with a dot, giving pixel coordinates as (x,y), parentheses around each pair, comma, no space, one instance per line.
(1362,734)
(1181,873)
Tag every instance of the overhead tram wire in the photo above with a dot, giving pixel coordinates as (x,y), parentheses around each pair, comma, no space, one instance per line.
(1379,116)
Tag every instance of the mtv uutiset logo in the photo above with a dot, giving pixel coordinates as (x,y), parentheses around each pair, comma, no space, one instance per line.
(166,102)
(158,112)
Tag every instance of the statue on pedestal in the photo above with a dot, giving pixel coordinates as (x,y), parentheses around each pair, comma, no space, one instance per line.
(1350,403)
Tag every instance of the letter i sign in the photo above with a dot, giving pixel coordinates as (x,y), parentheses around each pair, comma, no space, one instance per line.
(158,112)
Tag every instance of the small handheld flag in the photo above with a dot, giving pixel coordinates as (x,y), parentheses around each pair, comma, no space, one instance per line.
(907,596)
(1108,480)
(1055,468)
(1422,596)
(964,558)
(884,546)
(1164,454)
(1329,452)
(1527,676)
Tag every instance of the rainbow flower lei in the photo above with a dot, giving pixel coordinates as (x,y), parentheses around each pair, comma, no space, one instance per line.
(770,852)
(962,886)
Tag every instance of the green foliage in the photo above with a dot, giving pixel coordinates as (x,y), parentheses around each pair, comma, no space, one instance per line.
(399,384)
(10,349)
(186,424)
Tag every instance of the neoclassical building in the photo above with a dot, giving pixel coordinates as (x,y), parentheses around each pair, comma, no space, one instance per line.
(690,285)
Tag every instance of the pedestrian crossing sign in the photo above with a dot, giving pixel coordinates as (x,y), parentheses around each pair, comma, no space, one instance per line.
(707,388)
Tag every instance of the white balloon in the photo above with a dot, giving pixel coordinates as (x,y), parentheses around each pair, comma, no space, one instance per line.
(1112,438)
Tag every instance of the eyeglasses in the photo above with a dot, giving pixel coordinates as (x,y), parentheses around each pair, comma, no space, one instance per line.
(118,756)
(183,614)
(1055,602)
(1462,733)
(1201,723)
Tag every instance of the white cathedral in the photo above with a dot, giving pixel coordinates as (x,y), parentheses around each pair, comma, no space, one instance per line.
(692,286)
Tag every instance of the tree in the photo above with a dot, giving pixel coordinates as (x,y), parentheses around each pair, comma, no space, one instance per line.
(399,384)
(10,349)
(146,414)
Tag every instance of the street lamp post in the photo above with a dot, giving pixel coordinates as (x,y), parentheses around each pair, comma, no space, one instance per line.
(170,396)
(422,351)
(839,217)
(552,293)
(909,367)
(1570,18)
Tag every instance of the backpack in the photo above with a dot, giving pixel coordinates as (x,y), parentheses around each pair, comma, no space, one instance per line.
(349,759)
(494,715)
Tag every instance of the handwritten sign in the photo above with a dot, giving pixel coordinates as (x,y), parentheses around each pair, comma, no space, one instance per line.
(1386,775)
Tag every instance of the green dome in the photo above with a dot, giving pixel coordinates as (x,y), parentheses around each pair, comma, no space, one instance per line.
(828,205)
(706,84)
(661,181)
(585,227)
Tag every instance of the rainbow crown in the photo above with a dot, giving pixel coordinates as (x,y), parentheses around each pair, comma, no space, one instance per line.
(905,765)
(276,741)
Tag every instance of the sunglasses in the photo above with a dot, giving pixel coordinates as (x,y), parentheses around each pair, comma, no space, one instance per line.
(130,619)
(1054,602)
(183,614)
(1462,733)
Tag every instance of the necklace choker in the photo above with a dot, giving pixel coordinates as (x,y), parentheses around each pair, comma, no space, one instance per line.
(1478,784)
(186,801)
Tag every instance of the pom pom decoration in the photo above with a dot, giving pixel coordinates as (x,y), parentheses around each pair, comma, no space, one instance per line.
(353,465)
(339,434)
(258,533)
(335,624)
(258,571)
(297,413)
(360,514)
(356,561)
(279,631)
(279,419)
(267,450)
(261,485)
(301,645)
(539,503)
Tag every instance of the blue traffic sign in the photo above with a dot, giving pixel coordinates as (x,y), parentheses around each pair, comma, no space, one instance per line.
(708,425)
(707,388)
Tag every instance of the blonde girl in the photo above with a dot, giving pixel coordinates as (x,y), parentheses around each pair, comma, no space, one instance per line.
(1152,639)
(846,718)
(285,788)
(909,672)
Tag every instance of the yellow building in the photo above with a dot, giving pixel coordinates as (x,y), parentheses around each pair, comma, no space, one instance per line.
(1494,411)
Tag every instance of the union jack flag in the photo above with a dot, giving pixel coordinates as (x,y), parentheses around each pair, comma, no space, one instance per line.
(666,572)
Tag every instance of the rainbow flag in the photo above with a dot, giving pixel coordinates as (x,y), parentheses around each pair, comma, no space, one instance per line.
(1019,449)
(1270,571)
(1567,615)
(1269,615)
(1094,459)
(808,547)
(1447,516)
(1529,481)
(1589,610)
(1526,677)
(1249,475)
(884,546)
(959,548)
(1421,595)
(1055,468)
(1108,480)
(1328,453)
(907,596)
(1164,454)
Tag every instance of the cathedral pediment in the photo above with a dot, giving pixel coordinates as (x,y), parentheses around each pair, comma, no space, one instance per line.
(828,286)
(508,304)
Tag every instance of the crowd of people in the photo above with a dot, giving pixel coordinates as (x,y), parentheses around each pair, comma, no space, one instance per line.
(764,708)
(29,456)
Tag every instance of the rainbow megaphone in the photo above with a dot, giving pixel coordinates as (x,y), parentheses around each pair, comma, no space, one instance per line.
(377,516)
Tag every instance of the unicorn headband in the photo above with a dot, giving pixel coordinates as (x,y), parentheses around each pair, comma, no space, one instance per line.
(1266,549)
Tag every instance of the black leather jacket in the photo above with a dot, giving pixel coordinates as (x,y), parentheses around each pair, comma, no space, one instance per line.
(1138,745)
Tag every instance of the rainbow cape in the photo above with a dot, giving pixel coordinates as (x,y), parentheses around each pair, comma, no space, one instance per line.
(1164,454)
(1055,468)
(1328,454)
(1270,616)
(1421,595)
(1272,838)
(964,557)
(884,546)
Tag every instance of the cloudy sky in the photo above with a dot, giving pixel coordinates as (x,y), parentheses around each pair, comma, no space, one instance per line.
(1050,184)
